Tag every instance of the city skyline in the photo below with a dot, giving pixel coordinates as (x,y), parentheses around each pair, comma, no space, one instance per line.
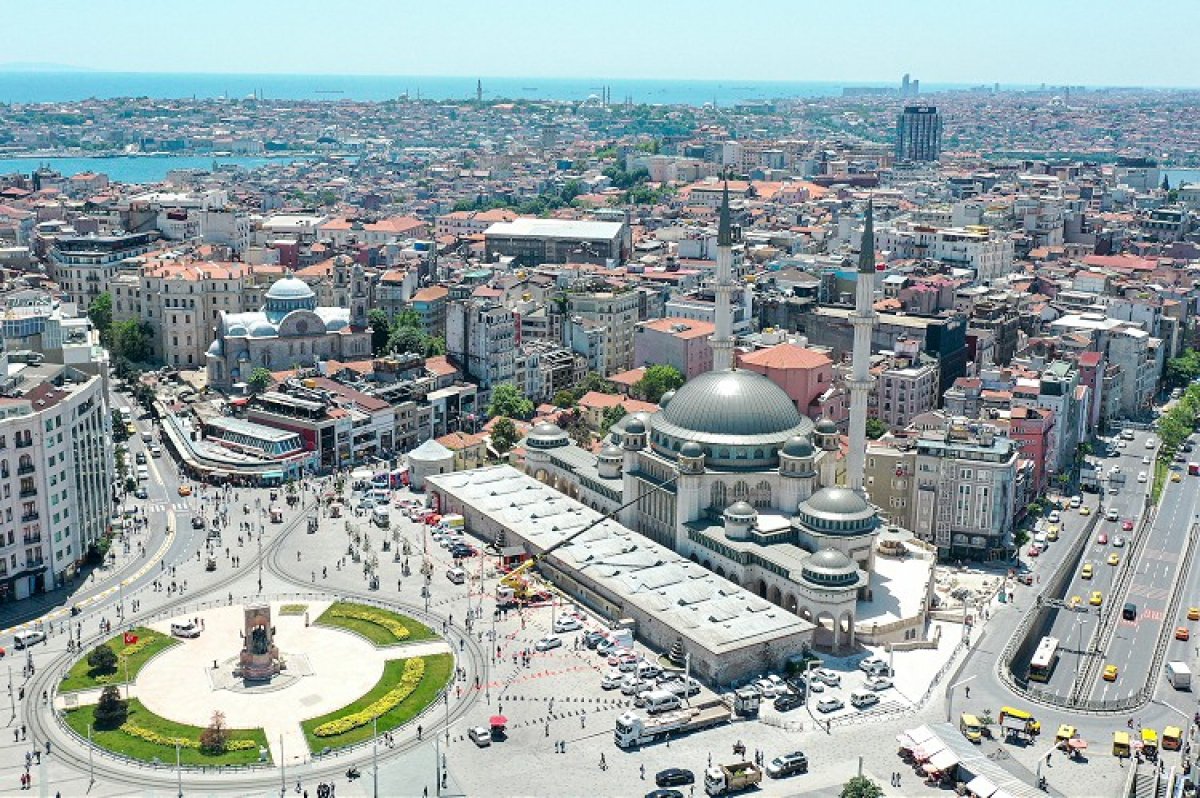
(870,42)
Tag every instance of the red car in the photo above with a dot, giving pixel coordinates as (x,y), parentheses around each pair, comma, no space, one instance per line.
(1127,525)
(1034,551)
(1102,539)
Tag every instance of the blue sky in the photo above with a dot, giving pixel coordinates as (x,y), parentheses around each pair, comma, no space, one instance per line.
(1101,42)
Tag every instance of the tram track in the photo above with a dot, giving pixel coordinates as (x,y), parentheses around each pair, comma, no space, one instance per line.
(71,750)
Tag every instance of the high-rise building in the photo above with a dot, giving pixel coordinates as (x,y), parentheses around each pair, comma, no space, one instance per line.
(919,134)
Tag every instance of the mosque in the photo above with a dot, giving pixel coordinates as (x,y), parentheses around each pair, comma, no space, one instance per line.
(730,475)
(290,330)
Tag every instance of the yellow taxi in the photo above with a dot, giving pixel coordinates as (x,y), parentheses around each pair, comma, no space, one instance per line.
(1176,478)
(1086,571)
(1085,510)
(1075,602)
(1182,633)
(1110,673)
(1052,533)
(1096,599)
(185,490)
(1114,559)
(1194,613)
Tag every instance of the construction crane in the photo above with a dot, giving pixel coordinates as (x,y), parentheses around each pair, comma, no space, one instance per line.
(516,587)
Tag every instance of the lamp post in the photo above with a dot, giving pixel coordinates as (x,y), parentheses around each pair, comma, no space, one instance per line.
(1187,725)
(178,768)
(950,695)
(375,755)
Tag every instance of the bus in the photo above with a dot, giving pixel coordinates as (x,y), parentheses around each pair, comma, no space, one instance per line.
(1042,663)
(1193,469)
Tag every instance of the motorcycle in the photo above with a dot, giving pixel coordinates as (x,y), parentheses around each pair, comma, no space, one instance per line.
(352,773)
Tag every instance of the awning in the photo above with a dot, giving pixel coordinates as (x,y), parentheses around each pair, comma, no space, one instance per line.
(927,749)
(944,759)
(498,720)
(920,734)
(981,787)
(905,741)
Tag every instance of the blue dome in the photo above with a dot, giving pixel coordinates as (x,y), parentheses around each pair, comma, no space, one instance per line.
(263,329)
(237,330)
(336,324)
(216,348)
(290,288)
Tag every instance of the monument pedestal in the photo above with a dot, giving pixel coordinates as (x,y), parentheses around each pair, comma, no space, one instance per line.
(259,659)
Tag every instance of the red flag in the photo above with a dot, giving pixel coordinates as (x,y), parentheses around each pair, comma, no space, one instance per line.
(130,638)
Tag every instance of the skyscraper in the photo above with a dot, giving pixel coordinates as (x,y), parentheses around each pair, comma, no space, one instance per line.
(919,134)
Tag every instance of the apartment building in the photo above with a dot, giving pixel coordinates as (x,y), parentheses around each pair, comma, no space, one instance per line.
(906,384)
(675,342)
(83,265)
(481,339)
(617,312)
(56,477)
(987,252)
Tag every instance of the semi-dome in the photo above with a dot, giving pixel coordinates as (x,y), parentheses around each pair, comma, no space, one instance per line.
(216,348)
(263,329)
(665,399)
(829,568)
(336,323)
(798,446)
(236,330)
(290,288)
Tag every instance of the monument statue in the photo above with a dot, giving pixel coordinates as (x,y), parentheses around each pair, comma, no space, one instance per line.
(259,660)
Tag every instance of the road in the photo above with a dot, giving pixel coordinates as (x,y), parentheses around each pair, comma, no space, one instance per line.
(1133,642)
(1074,629)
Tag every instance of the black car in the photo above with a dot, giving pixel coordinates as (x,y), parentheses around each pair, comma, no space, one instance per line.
(197,522)
(673,777)
(462,551)
(141,493)
(592,639)
(788,702)
(664,794)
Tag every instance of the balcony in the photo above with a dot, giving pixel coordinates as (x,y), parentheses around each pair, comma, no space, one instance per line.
(27,492)
(25,519)
(25,469)
(24,443)
(35,538)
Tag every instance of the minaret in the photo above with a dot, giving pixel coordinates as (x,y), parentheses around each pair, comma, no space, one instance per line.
(863,321)
(722,339)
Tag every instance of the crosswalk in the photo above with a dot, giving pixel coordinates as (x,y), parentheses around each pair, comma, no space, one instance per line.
(163,506)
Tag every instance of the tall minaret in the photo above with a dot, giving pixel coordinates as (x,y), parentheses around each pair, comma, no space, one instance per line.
(863,320)
(722,339)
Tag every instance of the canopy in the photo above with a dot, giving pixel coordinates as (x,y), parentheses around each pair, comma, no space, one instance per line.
(498,720)
(927,749)
(1078,743)
(981,787)
(920,735)
(944,759)
(905,741)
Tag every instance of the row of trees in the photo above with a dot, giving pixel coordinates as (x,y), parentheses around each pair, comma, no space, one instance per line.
(1177,424)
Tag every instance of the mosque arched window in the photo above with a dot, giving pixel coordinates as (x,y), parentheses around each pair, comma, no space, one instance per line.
(741,491)
(762,494)
(717,496)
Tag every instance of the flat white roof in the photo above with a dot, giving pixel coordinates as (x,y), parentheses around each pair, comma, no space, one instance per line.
(525,227)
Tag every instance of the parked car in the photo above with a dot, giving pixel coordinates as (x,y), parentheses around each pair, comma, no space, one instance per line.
(547,643)
(787,765)
(869,663)
(480,736)
(674,777)
(592,639)
(878,683)
(566,623)
(612,680)
(788,702)
(633,685)
(831,704)
(141,493)
(765,688)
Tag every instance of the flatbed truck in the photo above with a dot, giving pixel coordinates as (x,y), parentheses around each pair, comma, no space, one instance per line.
(634,729)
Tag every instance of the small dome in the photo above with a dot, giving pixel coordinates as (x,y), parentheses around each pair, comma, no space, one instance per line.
(216,348)
(826,426)
(838,512)
(335,324)
(740,509)
(830,568)
(837,501)
(666,398)
(263,329)
(798,446)
(636,427)
(829,560)
(546,431)
(611,452)
(290,288)
(691,449)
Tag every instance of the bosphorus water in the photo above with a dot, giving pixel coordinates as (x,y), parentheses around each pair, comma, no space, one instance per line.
(135,169)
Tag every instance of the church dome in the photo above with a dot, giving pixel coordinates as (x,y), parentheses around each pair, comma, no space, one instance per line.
(290,288)
(837,511)
(826,426)
(798,446)
(829,568)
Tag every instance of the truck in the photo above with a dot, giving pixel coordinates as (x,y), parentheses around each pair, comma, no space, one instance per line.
(1179,675)
(633,729)
(728,779)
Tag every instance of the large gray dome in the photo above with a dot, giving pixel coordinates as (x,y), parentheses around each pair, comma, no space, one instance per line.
(290,288)
(734,405)
(837,511)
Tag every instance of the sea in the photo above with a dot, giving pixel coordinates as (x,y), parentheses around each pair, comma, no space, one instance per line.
(43,87)
(138,168)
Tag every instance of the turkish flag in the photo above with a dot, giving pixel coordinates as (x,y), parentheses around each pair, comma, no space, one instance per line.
(130,638)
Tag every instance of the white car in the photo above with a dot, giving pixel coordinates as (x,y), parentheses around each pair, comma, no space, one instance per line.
(1141,476)
(612,680)
(831,704)
(566,623)
(766,688)
(780,684)
(633,685)
(870,663)
(480,736)
(1146,460)
(878,683)
(827,676)
(547,643)
(1118,541)
(186,629)
(1054,517)
(1149,443)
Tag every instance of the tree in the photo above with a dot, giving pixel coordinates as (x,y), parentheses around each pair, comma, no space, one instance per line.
(111,710)
(132,340)
(575,425)
(1183,369)
(563,398)
(100,312)
(508,401)
(404,339)
(435,345)
(408,318)
(102,659)
(215,738)
(876,429)
(504,434)
(610,416)
(594,382)
(381,330)
(259,380)
(119,432)
(656,381)
(861,787)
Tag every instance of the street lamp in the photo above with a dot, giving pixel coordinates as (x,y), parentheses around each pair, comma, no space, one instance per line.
(1187,725)
(950,694)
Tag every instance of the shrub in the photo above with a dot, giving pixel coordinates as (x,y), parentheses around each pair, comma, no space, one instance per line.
(379,618)
(414,670)
(102,659)
(111,711)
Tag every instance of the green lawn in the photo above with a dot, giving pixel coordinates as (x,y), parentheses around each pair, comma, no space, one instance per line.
(124,743)
(437,673)
(81,676)
(293,609)
(378,634)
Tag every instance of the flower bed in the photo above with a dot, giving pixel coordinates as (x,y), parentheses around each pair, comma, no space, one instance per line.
(382,627)
(149,643)
(414,669)
(293,609)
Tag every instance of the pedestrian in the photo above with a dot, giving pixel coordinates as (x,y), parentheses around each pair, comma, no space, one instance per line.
(603,764)
(642,769)
(968,689)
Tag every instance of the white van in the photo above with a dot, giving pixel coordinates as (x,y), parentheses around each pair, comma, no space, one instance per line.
(661,701)
(27,639)
(1111,514)
(143,473)
(861,699)
(185,629)
(456,575)
(381,517)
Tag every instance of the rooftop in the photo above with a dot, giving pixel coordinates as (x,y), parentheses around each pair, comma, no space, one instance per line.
(555,228)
